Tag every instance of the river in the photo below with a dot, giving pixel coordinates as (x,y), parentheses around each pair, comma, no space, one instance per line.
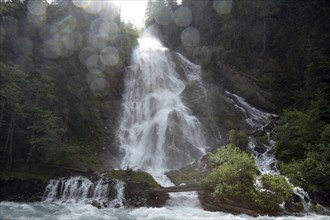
(64,211)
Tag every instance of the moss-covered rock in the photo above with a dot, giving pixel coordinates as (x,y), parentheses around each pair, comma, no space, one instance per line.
(188,177)
(132,177)
(139,188)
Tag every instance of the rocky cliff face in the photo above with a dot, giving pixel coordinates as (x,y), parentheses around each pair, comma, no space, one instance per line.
(19,190)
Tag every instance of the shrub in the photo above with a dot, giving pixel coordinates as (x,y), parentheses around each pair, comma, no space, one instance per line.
(233,176)
(275,190)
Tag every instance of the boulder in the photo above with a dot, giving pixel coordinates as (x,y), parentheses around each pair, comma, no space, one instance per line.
(139,188)
(96,204)
(231,206)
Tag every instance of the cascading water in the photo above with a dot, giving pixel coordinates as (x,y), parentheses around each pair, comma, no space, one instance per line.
(119,200)
(80,189)
(264,159)
(157,131)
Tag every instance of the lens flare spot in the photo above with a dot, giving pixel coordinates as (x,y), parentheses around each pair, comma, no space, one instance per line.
(36,21)
(190,37)
(109,12)
(109,30)
(37,7)
(223,7)
(109,56)
(97,82)
(182,16)
(85,53)
(163,15)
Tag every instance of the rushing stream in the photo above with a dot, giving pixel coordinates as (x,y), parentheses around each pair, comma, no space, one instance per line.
(157,133)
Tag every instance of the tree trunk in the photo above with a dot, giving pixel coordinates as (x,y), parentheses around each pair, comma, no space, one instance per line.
(264,40)
(8,138)
(11,140)
(29,155)
(1,116)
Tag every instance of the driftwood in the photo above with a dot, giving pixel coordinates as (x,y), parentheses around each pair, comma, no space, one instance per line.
(184,188)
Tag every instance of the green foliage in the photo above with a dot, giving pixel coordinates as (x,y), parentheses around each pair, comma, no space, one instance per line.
(25,115)
(275,190)
(42,174)
(238,138)
(232,174)
(187,176)
(303,149)
(297,133)
(132,176)
(312,172)
(233,177)
(55,110)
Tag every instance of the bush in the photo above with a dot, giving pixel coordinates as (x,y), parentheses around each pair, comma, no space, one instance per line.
(234,177)
(232,174)
(275,190)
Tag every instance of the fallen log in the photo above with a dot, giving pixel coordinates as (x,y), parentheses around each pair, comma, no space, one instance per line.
(184,188)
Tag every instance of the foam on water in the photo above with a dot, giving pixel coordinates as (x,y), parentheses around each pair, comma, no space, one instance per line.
(50,211)
(157,131)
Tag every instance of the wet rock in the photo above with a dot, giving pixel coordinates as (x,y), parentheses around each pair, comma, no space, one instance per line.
(232,206)
(138,188)
(140,195)
(96,204)
(117,206)
(295,205)
(260,149)
(19,190)
(321,198)
(191,174)
(259,132)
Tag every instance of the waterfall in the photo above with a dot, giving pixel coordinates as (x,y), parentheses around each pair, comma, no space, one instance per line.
(80,189)
(264,159)
(119,200)
(157,131)
(254,117)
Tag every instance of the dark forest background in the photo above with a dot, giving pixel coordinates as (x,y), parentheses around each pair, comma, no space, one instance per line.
(58,108)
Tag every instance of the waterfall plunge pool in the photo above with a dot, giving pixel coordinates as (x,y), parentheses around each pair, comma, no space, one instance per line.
(65,211)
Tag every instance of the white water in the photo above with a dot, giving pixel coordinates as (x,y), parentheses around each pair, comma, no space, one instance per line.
(157,131)
(265,161)
(52,211)
(81,190)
